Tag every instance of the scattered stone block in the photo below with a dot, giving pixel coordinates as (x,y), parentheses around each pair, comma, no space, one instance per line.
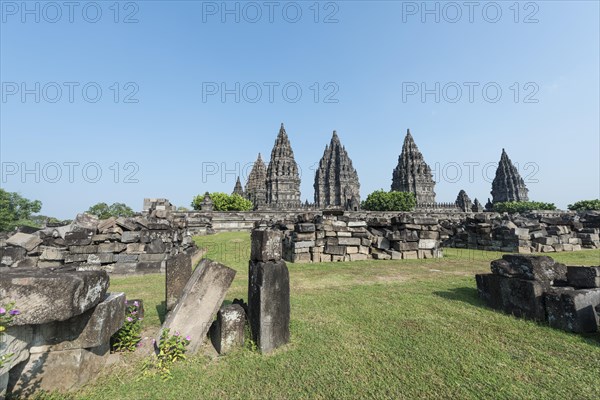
(227,332)
(24,240)
(410,255)
(130,237)
(78,238)
(269,304)
(573,310)
(358,257)
(179,271)
(540,268)
(266,245)
(112,247)
(202,297)
(583,277)
(425,244)
(520,297)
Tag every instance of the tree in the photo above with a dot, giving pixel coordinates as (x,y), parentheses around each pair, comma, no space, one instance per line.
(224,202)
(104,211)
(584,205)
(381,200)
(16,210)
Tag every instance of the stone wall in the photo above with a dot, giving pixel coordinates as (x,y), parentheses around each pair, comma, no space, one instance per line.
(538,288)
(140,244)
(61,339)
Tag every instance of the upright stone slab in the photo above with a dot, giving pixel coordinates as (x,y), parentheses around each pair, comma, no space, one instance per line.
(202,297)
(269,304)
(227,331)
(266,245)
(573,310)
(179,271)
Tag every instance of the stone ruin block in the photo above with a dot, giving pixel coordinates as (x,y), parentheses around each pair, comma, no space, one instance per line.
(573,310)
(24,240)
(179,271)
(269,304)
(52,295)
(227,331)
(78,238)
(519,297)
(583,277)
(266,245)
(202,297)
(539,268)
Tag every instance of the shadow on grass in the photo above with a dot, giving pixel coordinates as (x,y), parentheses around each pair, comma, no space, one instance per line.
(464,294)
(161,310)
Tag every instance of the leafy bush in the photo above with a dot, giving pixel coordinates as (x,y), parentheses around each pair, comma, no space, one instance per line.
(129,336)
(16,210)
(6,315)
(584,205)
(381,200)
(224,202)
(522,206)
(104,211)
(171,348)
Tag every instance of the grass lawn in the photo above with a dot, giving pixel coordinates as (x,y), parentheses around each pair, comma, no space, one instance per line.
(374,329)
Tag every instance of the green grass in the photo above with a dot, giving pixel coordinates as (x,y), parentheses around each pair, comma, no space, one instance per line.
(375,329)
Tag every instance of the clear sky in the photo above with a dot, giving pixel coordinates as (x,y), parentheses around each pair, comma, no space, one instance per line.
(192,91)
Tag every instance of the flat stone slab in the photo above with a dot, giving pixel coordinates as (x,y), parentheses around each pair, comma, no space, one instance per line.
(24,240)
(44,296)
(583,277)
(573,310)
(202,297)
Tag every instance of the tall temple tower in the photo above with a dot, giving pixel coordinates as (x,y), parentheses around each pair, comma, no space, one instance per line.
(256,187)
(238,188)
(283,180)
(336,181)
(508,184)
(412,174)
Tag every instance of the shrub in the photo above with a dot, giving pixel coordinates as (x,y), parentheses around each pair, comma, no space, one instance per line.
(522,206)
(380,200)
(6,315)
(584,205)
(171,348)
(104,211)
(224,202)
(129,336)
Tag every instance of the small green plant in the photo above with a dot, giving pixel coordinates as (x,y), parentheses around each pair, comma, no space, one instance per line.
(381,200)
(224,202)
(522,206)
(171,348)
(584,205)
(129,337)
(7,314)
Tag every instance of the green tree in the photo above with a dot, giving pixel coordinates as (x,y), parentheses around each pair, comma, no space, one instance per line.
(104,211)
(224,202)
(16,210)
(381,200)
(584,205)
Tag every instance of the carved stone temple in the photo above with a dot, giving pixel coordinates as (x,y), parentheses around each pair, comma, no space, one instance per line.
(412,174)
(508,184)
(336,181)
(238,188)
(283,180)
(256,187)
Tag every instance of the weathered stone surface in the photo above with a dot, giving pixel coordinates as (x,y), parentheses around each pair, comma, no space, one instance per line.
(52,254)
(427,244)
(24,240)
(148,267)
(91,329)
(112,247)
(85,222)
(126,223)
(46,296)
(573,310)
(15,341)
(156,246)
(89,249)
(227,332)
(202,298)
(57,370)
(269,304)
(266,245)
(179,271)
(540,268)
(522,298)
(130,237)
(78,238)
(583,277)
(10,255)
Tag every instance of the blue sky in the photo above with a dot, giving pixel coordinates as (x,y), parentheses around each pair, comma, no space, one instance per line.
(162,126)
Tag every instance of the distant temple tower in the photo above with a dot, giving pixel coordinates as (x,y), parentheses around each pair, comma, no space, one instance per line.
(256,187)
(283,181)
(508,184)
(238,188)
(412,173)
(336,181)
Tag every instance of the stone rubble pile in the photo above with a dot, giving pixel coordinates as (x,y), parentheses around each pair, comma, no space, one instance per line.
(538,288)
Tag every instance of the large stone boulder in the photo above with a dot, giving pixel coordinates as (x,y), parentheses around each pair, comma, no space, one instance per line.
(45,296)
(539,268)
(573,310)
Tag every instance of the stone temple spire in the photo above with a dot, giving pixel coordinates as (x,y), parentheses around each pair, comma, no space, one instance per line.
(283,180)
(508,184)
(412,173)
(463,201)
(256,187)
(238,188)
(336,180)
